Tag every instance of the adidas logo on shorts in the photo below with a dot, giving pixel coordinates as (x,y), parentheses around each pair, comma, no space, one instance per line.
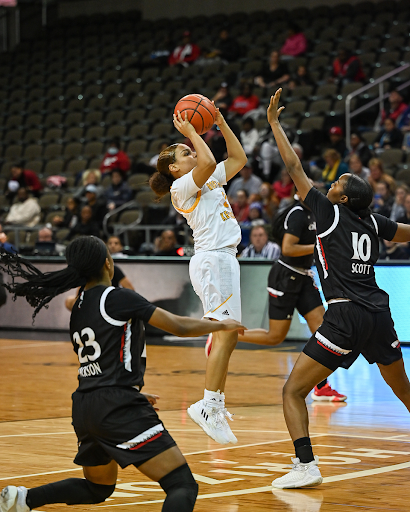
(225,312)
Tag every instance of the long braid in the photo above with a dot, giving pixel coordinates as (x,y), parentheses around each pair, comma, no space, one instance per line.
(85,257)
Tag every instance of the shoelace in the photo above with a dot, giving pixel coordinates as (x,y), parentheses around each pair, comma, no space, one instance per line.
(227,413)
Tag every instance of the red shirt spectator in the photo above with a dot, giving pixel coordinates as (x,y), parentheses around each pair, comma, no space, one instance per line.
(347,67)
(185,53)
(245,102)
(240,207)
(114,158)
(295,44)
(283,187)
(396,107)
(27,179)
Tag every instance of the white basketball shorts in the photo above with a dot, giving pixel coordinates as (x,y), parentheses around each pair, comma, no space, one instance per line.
(215,276)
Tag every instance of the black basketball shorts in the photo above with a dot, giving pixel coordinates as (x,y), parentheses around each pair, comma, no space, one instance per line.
(117,424)
(289,290)
(349,330)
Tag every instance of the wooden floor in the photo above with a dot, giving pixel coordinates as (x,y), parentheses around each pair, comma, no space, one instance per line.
(364,445)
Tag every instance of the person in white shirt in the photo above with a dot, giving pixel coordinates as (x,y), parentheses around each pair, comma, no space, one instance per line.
(196,185)
(25,212)
(249,135)
(260,246)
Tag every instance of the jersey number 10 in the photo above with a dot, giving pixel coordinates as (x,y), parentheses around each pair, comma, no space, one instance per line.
(360,245)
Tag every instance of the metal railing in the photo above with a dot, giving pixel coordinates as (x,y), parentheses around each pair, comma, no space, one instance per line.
(131,205)
(380,99)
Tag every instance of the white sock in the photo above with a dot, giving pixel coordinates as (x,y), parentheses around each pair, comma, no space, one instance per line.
(214,396)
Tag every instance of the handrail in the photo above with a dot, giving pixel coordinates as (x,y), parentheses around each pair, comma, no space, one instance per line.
(382,96)
(121,208)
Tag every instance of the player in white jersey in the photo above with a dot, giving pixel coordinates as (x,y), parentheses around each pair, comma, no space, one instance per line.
(196,185)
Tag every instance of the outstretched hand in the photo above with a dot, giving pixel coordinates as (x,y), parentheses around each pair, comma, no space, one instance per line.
(233,325)
(183,125)
(273,110)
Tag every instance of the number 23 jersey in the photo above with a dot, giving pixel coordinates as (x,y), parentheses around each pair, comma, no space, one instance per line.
(347,248)
(107,332)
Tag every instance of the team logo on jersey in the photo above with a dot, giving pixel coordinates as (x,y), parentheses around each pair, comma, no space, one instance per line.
(312,226)
(225,312)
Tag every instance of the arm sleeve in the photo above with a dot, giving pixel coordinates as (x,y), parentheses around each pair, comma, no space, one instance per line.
(123,304)
(184,187)
(295,223)
(220,173)
(322,208)
(386,227)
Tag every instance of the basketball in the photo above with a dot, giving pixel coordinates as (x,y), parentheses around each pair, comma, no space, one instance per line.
(201,111)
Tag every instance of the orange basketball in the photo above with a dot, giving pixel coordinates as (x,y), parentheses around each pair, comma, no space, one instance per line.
(201,111)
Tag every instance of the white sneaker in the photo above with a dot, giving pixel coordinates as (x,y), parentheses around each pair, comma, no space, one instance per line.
(13,499)
(301,475)
(211,419)
(230,434)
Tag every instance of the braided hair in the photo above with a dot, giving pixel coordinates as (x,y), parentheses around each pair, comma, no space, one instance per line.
(85,258)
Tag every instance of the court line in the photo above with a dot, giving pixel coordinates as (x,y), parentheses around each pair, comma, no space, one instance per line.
(31,345)
(41,474)
(39,434)
(366,472)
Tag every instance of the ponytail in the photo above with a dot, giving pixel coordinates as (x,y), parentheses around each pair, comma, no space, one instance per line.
(162,180)
(85,257)
(360,195)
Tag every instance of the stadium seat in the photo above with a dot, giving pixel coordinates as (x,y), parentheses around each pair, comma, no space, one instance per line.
(53,167)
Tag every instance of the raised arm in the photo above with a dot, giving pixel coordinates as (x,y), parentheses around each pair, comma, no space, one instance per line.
(236,155)
(290,158)
(206,162)
(402,233)
(185,326)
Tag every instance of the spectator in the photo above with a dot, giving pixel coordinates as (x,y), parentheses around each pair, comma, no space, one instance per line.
(356,167)
(119,192)
(5,244)
(334,168)
(226,48)
(382,200)
(166,244)
(216,141)
(260,246)
(25,178)
(240,206)
(393,251)
(297,148)
(396,107)
(295,43)
(89,177)
(97,204)
(249,136)
(403,122)
(337,141)
(283,187)
(223,98)
(26,212)
(255,215)
(115,247)
(246,181)
(405,219)
(359,148)
(390,136)
(71,214)
(269,205)
(398,210)
(114,158)
(301,77)
(45,244)
(347,68)
(275,73)
(377,174)
(86,225)
(161,146)
(245,102)
(185,53)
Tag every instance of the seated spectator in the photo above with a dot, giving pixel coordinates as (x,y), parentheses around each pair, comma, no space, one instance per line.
(86,225)
(45,244)
(347,68)
(382,200)
(185,53)
(398,210)
(215,139)
(337,140)
(89,177)
(115,247)
(25,178)
(26,211)
(71,214)
(283,187)
(255,215)
(246,181)
(260,246)
(377,174)
(161,146)
(5,244)
(275,73)
(269,205)
(245,102)
(97,204)
(114,158)
(223,98)
(396,107)
(300,77)
(119,192)
(166,244)
(359,148)
(356,167)
(390,136)
(393,251)
(226,48)
(405,219)
(249,136)
(334,168)
(240,206)
(295,43)
(403,122)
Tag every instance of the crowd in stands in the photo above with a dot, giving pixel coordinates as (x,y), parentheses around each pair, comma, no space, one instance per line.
(93,179)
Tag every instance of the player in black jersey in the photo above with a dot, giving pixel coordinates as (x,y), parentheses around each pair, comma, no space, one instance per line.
(358,320)
(114,422)
(291,286)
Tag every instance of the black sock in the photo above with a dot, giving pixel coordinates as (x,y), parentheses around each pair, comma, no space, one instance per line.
(73,491)
(321,384)
(303,449)
(181,490)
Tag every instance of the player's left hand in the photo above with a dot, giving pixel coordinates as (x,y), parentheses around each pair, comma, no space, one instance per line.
(219,118)
(273,110)
(152,399)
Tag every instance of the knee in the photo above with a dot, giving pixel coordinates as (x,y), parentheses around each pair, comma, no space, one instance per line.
(100,492)
(275,338)
(291,389)
(182,483)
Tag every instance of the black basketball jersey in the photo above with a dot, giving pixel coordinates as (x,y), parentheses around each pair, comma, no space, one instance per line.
(346,249)
(300,222)
(107,332)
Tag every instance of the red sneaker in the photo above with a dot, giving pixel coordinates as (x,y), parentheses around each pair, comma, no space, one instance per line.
(327,394)
(208,345)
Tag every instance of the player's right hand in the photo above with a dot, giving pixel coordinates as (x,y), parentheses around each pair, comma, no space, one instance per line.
(273,110)
(183,125)
(233,325)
